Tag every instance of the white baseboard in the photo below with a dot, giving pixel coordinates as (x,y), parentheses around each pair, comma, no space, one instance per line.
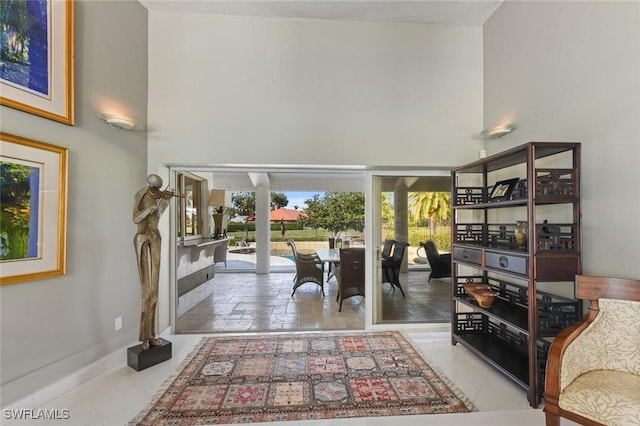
(20,393)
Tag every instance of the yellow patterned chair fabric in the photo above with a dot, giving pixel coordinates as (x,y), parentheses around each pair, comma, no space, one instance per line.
(593,370)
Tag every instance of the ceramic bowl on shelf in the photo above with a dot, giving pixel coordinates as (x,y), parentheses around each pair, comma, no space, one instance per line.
(484,294)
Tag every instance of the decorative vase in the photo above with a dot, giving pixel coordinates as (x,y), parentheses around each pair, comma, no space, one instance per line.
(522,228)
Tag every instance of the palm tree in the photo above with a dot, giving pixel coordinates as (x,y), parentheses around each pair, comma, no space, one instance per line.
(433,205)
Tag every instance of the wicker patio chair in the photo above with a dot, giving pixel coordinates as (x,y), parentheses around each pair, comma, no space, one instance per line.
(309,269)
(350,274)
(440,263)
(387,248)
(391,266)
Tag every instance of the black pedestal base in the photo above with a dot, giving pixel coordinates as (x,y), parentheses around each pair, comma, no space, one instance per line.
(139,359)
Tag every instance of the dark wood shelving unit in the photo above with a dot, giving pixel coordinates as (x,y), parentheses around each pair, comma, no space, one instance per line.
(515,333)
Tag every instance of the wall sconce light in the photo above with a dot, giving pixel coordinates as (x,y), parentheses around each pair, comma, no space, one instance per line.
(120,122)
(498,131)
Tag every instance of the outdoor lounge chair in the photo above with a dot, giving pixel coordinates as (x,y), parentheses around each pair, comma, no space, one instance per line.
(391,266)
(350,274)
(309,269)
(440,263)
(387,248)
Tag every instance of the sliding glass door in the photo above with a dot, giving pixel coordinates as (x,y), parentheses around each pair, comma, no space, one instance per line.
(409,208)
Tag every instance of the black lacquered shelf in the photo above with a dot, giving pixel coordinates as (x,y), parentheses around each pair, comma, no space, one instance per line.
(499,354)
(495,247)
(515,203)
(516,155)
(511,307)
(506,312)
(494,205)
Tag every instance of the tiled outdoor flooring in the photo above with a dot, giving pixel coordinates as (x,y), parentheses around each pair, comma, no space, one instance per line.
(425,302)
(245,301)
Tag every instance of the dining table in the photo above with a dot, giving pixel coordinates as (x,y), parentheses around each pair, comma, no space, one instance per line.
(330,256)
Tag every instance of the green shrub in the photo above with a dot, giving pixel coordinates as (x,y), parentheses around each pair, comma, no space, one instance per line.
(241,227)
(442,237)
(251,226)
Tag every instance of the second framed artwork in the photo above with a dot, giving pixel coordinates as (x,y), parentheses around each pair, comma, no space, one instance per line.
(36,75)
(502,190)
(33,217)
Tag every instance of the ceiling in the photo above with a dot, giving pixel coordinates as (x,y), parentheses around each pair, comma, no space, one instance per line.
(451,12)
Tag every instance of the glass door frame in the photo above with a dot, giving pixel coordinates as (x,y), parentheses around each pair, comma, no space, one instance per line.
(373,226)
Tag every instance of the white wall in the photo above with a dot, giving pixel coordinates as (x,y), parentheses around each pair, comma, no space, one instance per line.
(245,90)
(570,71)
(51,328)
(263,90)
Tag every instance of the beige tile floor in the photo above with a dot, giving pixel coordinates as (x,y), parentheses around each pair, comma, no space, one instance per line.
(119,394)
(244,301)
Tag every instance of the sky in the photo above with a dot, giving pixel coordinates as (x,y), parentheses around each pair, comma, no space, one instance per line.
(297,198)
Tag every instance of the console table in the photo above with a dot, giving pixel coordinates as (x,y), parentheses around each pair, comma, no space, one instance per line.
(196,261)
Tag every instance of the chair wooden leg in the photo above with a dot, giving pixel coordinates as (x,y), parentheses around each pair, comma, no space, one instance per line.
(552,419)
(551,414)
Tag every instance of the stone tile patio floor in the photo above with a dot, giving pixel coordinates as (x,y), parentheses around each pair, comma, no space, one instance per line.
(244,301)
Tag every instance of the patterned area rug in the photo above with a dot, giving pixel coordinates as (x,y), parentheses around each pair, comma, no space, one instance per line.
(302,376)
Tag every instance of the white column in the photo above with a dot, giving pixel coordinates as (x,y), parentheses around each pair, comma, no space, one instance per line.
(263,232)
(401,213)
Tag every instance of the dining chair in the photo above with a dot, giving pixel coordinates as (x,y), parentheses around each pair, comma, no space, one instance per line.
(309,269)
(350,274)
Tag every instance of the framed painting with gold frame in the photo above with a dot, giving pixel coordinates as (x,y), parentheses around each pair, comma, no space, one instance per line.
(33,216)
(36,75)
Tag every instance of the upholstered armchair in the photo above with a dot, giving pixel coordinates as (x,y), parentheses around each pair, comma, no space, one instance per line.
(593,366)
